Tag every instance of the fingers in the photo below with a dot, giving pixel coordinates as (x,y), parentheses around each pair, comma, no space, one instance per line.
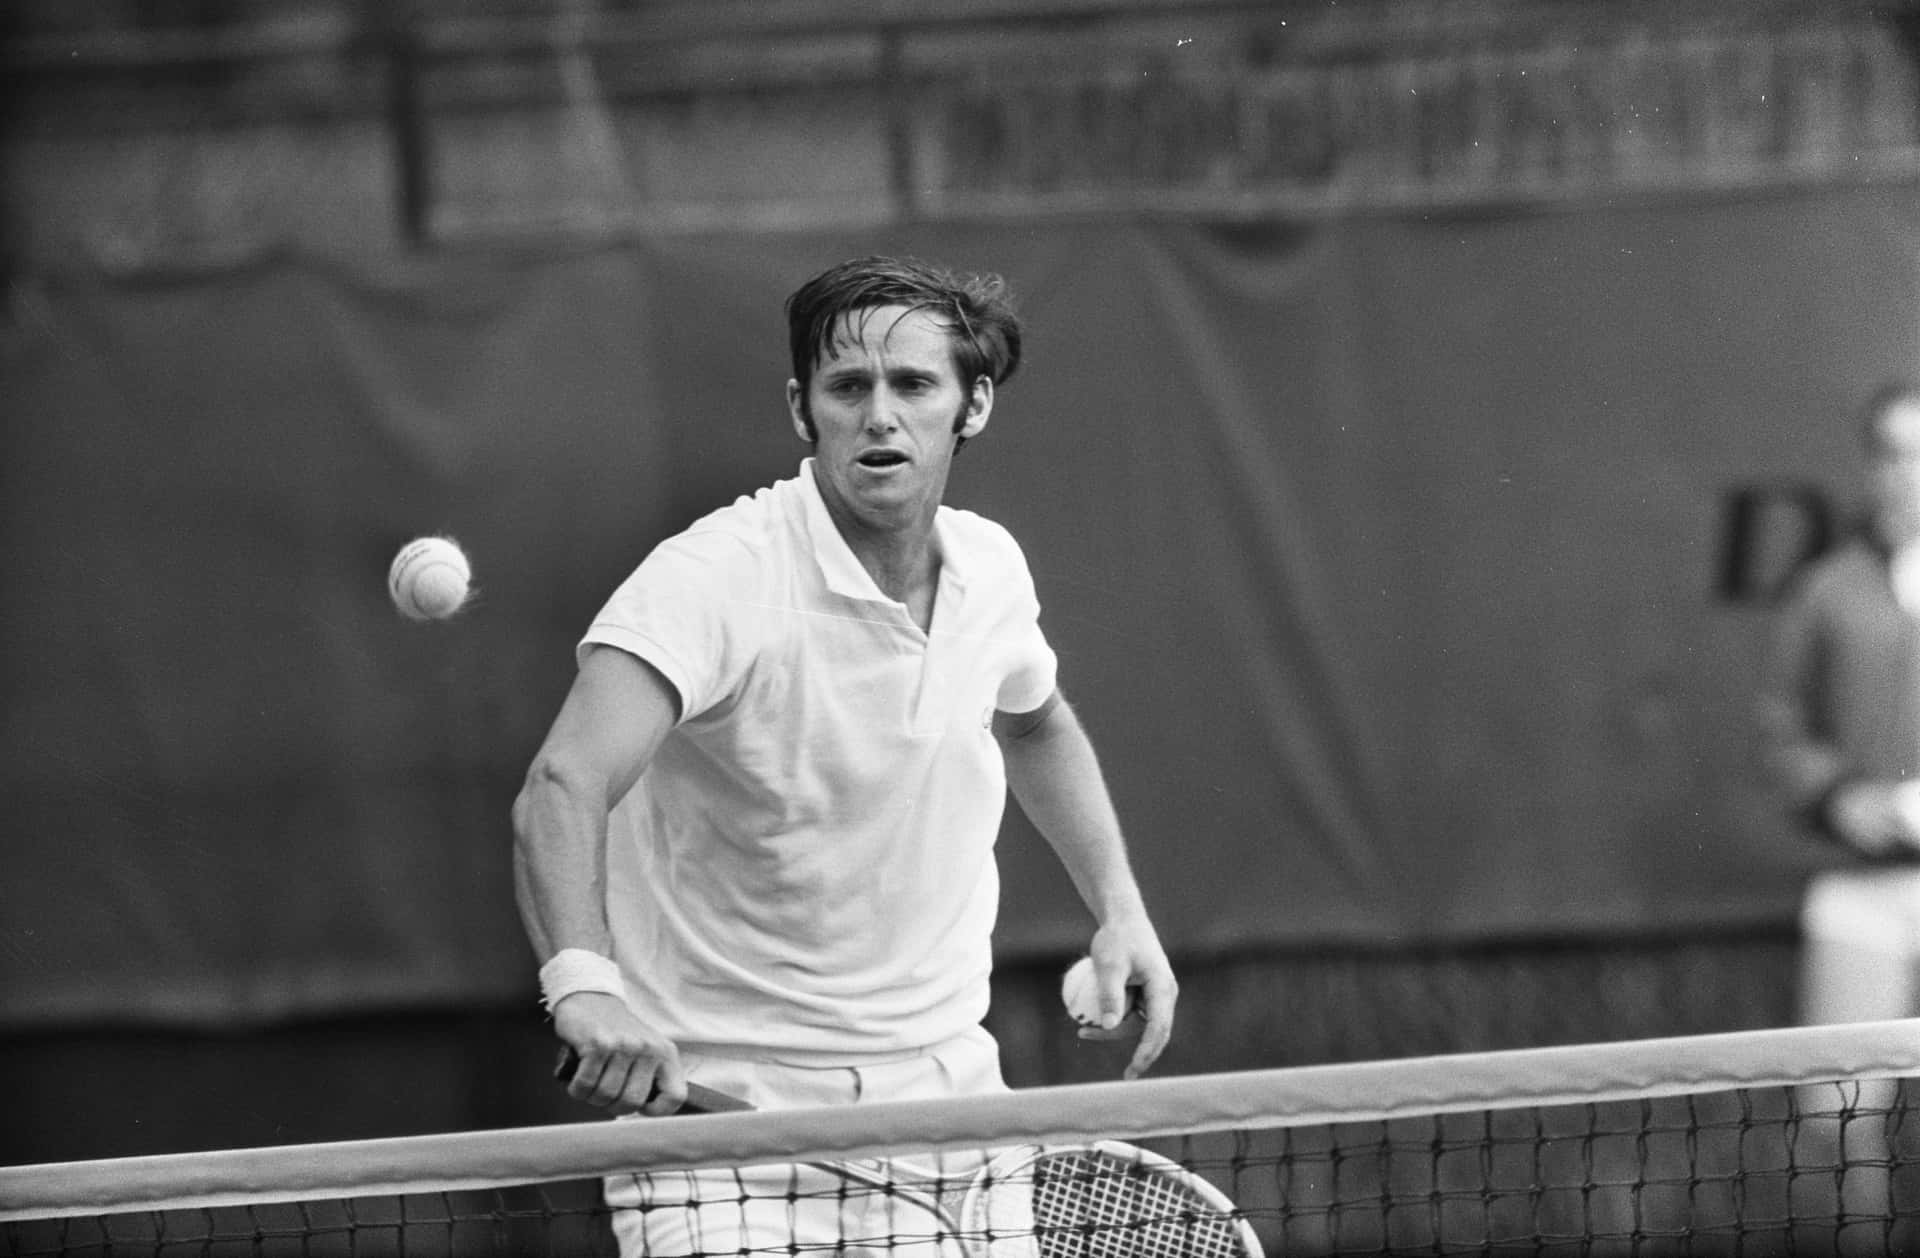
(1134,994)
(1160,995)
(667,1092)
(1106,1027)
(1125,1031)
(624,1082)
(599,1078)
(668,1089)
(613,1060)
(1111,976)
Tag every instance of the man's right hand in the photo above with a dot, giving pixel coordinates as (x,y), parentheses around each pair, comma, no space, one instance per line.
(1878,818)
(623,1064)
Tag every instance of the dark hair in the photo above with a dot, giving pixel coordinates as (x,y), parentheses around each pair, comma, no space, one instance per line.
(977,310)
(1876,408)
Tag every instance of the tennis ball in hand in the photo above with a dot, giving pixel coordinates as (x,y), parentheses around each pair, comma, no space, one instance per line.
(429,579)
(1080,992)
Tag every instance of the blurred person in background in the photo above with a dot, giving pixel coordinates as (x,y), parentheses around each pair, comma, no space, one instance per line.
(756,848)
(1840,720)
(1840,712)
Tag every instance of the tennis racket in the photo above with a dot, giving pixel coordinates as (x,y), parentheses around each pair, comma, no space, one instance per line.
(1107,1199)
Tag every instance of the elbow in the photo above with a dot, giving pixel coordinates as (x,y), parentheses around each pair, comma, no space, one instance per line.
(1037,726)
(551,786)
(538,780)
(546,826)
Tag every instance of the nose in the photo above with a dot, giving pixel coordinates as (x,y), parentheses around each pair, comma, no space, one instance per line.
(882,412)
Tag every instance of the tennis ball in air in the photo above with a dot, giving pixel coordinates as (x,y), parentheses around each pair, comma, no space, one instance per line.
(429,578)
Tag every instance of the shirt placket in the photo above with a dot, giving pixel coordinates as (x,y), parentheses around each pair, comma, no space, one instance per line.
(933,702)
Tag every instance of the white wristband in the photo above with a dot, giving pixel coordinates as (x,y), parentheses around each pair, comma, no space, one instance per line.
(576,970)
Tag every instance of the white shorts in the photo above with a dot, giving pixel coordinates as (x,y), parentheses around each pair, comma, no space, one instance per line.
(774,1209)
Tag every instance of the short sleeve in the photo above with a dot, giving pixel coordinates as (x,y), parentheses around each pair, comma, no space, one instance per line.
(1032,668)
(683,611)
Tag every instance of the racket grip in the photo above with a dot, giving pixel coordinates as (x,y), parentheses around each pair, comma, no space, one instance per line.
(704,1100)
(700,1100)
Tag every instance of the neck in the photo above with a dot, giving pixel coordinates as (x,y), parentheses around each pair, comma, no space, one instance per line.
(901,573)
(900,559)
(895,547)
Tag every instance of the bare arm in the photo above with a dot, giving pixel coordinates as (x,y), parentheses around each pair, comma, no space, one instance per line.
(612,722)
(1054,773)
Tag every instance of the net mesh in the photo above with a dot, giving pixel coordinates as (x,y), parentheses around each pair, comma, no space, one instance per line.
(1798,1141)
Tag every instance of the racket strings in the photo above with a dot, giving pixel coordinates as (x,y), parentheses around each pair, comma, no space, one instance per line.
(1092,1204)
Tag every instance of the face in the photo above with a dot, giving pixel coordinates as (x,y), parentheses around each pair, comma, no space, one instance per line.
(1894,473)
(884,402)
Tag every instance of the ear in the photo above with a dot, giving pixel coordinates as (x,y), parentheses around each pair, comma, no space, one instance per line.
(979,407)
(797,412)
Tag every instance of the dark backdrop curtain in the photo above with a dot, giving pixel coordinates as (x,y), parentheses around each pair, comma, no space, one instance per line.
(1382,559)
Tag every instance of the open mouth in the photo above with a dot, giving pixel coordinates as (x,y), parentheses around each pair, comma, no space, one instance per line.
(882,459)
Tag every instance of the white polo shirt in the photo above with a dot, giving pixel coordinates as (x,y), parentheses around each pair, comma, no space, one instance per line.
(805,871)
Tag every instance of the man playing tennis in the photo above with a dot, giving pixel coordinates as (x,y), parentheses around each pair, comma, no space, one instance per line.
(756,848)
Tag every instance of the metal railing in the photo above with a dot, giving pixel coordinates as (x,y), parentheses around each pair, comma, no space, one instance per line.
(730,115)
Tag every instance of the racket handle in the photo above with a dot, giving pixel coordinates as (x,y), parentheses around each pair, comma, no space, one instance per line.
(703,1100)
(700,1100)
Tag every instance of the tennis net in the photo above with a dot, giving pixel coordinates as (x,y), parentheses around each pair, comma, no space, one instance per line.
(1793,1141)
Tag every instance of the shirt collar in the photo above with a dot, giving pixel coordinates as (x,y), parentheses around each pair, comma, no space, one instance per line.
(838,564)
(844,573)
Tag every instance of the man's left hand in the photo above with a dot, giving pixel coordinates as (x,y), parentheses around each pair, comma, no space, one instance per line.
(1128,959)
